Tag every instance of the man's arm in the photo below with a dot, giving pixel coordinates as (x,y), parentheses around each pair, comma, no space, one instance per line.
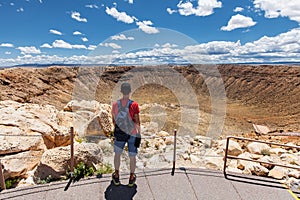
(137,122)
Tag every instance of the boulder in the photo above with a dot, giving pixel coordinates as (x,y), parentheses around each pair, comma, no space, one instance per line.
(258,148)
(34,126)
(17,165)
(234,148)
(55,162)
(278,172)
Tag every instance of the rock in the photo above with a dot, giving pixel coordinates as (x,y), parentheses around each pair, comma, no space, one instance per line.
(234,148)
(194,159)
(39,121)
(241,164)
(207,141)
(294,173)
(162,134)
(278,172)
(213,161)
(277,151)
(106,146)
(258,148)
(264,130)
(169,140)
(267,159)
(17,165)
(55,162)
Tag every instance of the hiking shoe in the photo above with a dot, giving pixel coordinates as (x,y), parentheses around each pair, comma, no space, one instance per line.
(132,181)
(116,180)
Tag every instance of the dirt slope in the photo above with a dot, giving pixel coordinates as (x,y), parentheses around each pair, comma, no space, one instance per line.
(266,95)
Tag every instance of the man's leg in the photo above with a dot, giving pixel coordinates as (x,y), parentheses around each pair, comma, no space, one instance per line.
(117,163)
(132,152)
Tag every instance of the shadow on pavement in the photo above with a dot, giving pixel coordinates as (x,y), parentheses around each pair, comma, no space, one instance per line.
(121,192)
(257,180)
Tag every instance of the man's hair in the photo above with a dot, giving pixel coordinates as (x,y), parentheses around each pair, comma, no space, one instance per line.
(125,88)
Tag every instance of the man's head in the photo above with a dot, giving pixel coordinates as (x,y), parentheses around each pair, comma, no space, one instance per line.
(125,88)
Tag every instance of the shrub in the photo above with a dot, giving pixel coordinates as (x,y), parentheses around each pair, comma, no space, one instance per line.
(104,169)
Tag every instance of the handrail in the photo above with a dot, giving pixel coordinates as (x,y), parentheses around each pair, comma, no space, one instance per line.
(259,141)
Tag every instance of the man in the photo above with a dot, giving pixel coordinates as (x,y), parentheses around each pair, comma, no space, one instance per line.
(130,138)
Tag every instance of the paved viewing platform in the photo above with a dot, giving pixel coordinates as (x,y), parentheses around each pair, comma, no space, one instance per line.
(158,184)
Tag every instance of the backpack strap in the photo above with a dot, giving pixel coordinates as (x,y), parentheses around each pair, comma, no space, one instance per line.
(127,105)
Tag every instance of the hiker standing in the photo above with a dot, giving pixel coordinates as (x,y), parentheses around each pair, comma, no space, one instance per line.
(126,120)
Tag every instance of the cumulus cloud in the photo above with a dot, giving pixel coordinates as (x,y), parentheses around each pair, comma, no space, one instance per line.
(92,6)
(238,21)
(121,37)
(92,47)
(170,11)
(130,1)
(120,16)
(203,8)
(238,9)
(76,15)
(7,53)
(29,50)
(55,32)
(111,44)
(146,27)
(77,33)
(84,39)
(61,44)
(6,45)
(281,8)
(46,45)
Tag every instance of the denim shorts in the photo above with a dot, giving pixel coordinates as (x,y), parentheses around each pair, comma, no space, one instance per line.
(119,146)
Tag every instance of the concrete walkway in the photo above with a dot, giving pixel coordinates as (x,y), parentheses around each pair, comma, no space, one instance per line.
(186,184)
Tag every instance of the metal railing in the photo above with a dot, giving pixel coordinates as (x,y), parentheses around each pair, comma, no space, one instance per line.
(257,161)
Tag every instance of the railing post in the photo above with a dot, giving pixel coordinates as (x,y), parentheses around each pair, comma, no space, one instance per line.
(71,158)
(2,181)
(225,157)
(174,153)
(72,150)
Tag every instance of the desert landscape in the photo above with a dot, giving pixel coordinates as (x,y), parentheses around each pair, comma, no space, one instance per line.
(43,102)
(263,94)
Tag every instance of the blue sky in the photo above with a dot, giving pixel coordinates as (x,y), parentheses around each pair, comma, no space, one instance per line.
(144,31)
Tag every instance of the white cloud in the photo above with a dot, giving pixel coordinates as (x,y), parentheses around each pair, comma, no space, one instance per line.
(40,1)
(61,44)
(238,21)
(7,53)
(121,37)
(46,45)
(29,50)
(76,15)
(6,45)
(279,8)
(92,6)
(168,45)
(20,10)
(111,44)
(84,39)
(77,33)
(120,16)
(170,11)
(55,32)
(146,27)
(92,47)
(78,46)
(238,9)
(130,1)
(204,8)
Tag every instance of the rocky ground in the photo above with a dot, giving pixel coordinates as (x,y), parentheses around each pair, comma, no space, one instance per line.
(37,103)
